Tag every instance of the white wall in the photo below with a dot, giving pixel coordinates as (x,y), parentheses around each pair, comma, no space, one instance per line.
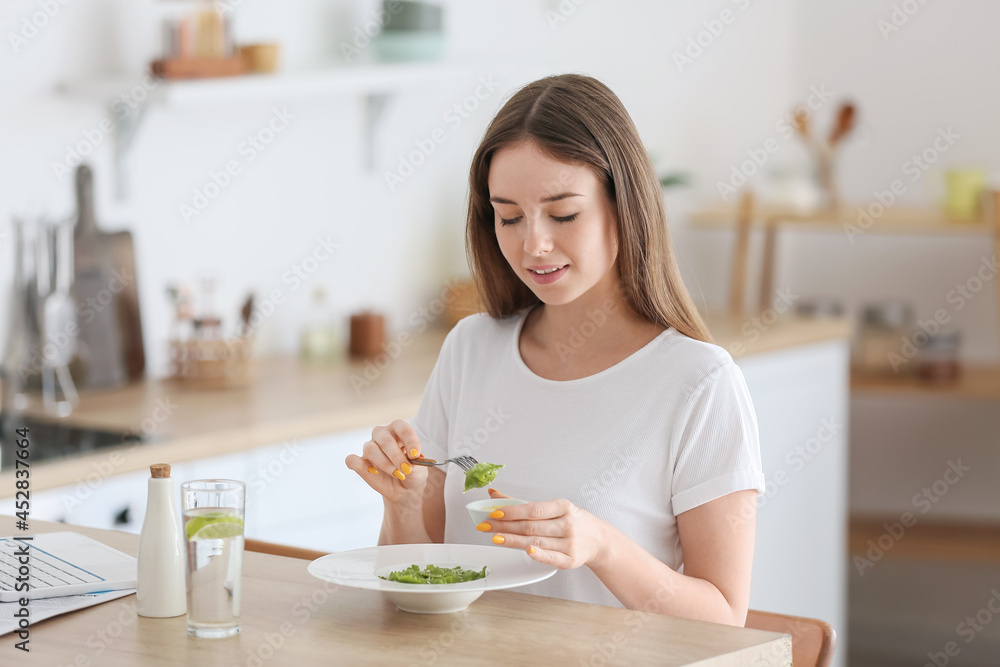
(398,247)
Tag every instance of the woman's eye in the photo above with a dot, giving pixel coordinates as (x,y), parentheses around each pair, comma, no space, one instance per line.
(510,221)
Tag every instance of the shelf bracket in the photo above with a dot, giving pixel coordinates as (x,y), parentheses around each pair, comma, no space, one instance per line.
(125,132)
(375,104)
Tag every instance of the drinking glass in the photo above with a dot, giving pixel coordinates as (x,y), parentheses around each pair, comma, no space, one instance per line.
(213,526)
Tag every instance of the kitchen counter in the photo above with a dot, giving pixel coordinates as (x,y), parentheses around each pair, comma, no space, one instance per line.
(288,400)
(289,615)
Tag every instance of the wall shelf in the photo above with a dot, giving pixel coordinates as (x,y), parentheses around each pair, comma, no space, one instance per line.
(976,381)
(963,542)
(375,83)
(981,382)
(895,220)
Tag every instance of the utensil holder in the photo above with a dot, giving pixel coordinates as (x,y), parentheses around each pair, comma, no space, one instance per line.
(217,363)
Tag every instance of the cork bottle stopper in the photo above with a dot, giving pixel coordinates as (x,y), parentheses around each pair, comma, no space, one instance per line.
(160,470)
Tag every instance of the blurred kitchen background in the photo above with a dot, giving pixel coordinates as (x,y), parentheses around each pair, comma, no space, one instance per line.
(292,186)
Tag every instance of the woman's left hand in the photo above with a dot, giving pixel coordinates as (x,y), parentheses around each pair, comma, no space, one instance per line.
(555,532)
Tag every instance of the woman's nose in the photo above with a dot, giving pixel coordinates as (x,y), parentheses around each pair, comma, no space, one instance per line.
(537,238)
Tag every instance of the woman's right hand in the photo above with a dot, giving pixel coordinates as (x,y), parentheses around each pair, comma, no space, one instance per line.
(383,465)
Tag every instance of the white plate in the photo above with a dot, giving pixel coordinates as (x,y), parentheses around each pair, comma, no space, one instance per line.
(360,568)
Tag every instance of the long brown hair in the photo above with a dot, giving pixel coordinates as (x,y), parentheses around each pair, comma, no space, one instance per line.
(577,119)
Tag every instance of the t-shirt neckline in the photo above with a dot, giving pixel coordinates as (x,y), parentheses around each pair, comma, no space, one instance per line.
(630,359)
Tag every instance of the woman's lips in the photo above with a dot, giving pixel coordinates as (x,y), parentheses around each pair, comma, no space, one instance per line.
(547,278)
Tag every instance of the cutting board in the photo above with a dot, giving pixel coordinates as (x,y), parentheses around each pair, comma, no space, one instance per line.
(110,347)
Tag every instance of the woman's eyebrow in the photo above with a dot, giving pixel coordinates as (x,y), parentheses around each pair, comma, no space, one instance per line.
(545,200)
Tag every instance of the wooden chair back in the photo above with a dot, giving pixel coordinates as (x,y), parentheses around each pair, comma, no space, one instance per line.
(813,640)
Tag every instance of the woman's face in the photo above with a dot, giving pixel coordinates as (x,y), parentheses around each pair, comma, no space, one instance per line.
(553,215)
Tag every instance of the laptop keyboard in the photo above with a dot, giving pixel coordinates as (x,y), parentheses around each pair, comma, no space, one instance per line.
(45,570)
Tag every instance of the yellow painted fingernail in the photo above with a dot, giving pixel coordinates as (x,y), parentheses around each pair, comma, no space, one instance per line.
(373,470)
(398,474)
(406,468)
(531,550)
(498,539)
(496,514)
(484,527)
(414,453)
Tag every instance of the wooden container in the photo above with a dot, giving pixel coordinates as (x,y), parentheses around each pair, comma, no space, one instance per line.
(260,58)
(367,335)
(198,68)
(212,364)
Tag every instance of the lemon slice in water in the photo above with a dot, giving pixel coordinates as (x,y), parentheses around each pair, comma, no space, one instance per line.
(213,526)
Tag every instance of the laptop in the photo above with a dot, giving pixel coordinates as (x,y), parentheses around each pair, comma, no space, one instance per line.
(62,564)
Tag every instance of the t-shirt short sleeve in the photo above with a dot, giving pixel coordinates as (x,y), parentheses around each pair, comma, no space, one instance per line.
(432,418)
(717,443)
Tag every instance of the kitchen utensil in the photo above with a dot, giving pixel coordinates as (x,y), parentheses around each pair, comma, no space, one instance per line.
(17,351)
(58,316)
(111,348)
(463,462)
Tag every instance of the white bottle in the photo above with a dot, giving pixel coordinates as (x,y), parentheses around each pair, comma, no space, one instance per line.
(162,590)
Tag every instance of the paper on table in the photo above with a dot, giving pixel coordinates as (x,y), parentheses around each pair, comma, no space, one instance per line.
(49,607)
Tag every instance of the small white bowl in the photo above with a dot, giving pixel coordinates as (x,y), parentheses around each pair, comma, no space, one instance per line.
(480,510)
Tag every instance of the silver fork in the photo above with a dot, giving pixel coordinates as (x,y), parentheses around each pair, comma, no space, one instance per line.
(463,462)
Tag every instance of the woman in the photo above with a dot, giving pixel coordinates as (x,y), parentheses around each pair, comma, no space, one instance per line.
(591,377)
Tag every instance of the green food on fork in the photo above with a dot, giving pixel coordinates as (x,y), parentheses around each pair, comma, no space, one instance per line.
(481,475)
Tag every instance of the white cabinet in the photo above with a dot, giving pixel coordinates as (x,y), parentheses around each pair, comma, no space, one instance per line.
(800,563)
(298,493)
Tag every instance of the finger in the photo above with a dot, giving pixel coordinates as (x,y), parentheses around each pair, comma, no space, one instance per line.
(496,494)
(393,451)
(540,511)
(376,456)
(545,528)
(407,438)
(380,483)
(551,544)
(554,558)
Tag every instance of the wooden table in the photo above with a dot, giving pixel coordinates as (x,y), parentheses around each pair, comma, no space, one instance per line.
(291,618)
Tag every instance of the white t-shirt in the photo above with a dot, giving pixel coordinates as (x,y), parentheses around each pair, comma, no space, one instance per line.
(663,431)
